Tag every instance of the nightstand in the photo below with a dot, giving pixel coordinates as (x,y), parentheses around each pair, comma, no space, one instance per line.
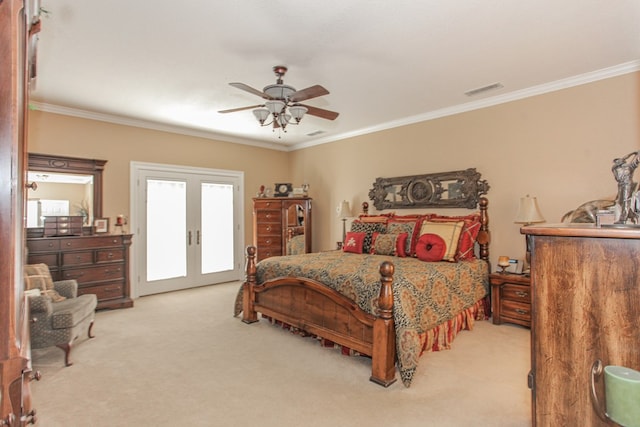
(511,298)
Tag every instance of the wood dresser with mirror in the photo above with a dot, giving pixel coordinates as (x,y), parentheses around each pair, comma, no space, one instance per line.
(99,262)
(281,226)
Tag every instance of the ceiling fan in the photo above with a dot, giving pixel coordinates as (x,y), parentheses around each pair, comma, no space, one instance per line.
(283,102)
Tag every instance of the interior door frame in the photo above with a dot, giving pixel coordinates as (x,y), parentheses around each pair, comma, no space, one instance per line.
(135,215)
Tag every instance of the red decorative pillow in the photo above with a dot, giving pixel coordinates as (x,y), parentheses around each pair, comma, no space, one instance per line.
(353,242)
(430,247)
(468,235)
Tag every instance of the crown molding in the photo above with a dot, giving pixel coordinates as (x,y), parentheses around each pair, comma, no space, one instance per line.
(625,68)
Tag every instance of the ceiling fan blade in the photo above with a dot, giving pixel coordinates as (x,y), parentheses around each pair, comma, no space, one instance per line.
(233,110)
(320,112)
(308,93)
(249,89)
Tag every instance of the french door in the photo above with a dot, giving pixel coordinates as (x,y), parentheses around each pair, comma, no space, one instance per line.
(187,225)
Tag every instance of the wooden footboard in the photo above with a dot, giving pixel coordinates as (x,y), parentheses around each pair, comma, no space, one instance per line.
(318,309)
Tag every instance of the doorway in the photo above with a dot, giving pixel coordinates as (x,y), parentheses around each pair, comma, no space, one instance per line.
(187,225)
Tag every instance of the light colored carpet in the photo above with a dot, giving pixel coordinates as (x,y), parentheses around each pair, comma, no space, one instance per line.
(182,359)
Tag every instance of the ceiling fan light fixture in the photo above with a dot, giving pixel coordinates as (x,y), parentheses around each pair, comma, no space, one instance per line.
(274,107)
(261,114)
(279,91)
(297,112)
(283,119)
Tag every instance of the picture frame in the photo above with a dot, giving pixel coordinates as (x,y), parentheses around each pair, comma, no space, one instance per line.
(101,225)
(283,189)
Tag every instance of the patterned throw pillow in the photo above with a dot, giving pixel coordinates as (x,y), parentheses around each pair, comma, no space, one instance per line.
(353,242)
(368,228)
(38,276)
(468,235)
(449,232)
(388,244)
(430,248)
(411,226)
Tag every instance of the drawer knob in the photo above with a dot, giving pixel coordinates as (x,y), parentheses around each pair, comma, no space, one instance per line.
(521,311)
(269,228)
(268,215)
(268,242)
(522,294)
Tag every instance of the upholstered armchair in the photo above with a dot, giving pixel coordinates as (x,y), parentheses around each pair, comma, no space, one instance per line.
(58,315)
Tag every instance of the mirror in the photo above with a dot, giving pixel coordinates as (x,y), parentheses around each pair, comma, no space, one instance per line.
(63,186)
(296,240)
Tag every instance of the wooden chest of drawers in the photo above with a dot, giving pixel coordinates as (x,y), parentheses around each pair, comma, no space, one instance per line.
(275,219)
(100,264)
(511,299)
(63,225)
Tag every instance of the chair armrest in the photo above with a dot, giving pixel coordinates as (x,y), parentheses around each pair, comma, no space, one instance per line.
(40,304)
(66,288)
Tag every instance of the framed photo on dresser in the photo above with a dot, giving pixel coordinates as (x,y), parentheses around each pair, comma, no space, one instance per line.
(101,225)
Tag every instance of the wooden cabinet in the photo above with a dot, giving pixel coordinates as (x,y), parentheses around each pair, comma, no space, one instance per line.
(511,299)
(585,285)
(18,26)
(280,223)
(99,263)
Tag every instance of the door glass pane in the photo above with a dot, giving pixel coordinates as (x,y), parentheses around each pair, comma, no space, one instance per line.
(217,227)
(166,229)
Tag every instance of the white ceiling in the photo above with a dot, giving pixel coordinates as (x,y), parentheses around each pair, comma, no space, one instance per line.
(166,64)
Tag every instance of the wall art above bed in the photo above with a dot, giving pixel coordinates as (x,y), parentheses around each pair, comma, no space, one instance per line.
(456,189)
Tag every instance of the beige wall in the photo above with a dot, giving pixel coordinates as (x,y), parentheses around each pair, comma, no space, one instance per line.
(120,145)
(558,147)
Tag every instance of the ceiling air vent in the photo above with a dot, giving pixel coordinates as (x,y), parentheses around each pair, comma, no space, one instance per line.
(315,132)
(480,90)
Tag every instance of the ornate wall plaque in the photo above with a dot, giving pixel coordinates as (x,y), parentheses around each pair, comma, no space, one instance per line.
(457,189)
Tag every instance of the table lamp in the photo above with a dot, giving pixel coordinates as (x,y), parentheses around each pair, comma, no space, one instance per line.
(528,213)
(344,212)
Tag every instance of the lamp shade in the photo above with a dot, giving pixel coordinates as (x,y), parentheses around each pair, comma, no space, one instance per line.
(528,211)
(344,211)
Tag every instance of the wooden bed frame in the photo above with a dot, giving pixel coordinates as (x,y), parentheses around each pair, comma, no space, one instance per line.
(313,307)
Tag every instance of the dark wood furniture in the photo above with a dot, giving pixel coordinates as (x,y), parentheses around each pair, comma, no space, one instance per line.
(99,263)
(18,27)
(585,283)
(75,166)
(316,308)
(278,219)
(511,298)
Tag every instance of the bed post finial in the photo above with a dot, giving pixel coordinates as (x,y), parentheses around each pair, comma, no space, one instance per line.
(383,368)
(249,315)
(484,237)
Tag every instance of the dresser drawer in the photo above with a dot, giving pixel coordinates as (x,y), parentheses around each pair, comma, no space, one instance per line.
(95,274)
(268,251)
(104,292)
(273,242)
(266,204)
(94,242)
(269,229)
(77,258)
(50,259)
(109,255)
(43,245)
(516,310)
(516,293)
(272,216)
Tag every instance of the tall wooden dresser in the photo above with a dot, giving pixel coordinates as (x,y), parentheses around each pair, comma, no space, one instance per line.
(100,264)
(277,220)
(585,285)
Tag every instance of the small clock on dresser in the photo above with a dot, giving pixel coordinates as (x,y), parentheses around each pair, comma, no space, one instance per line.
(283,190)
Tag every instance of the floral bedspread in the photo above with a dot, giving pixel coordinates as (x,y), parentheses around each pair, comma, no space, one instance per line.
(425,294)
